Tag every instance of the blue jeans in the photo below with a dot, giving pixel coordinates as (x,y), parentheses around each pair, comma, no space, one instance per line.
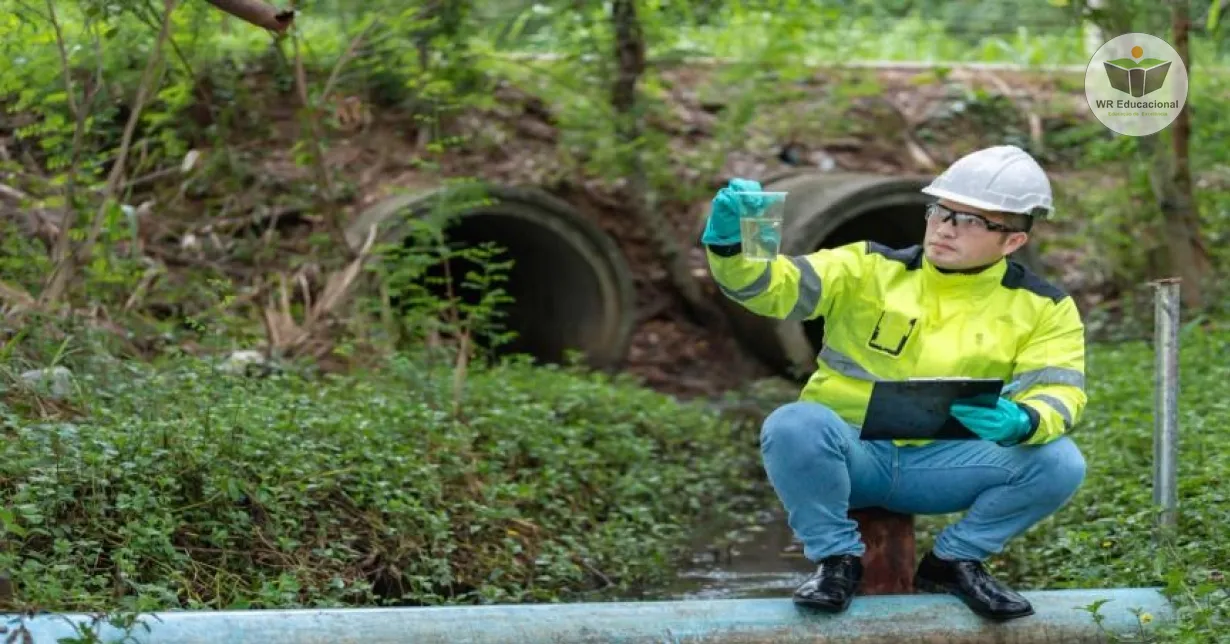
(820,469)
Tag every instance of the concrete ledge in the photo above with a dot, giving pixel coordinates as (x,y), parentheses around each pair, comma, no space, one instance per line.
(884,618)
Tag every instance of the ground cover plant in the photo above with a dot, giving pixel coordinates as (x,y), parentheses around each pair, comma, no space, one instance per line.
(188,486)
(1105,538)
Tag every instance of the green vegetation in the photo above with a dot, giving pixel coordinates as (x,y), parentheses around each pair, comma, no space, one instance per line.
(184,486)
(1106,537)
(825,33)
(416,472)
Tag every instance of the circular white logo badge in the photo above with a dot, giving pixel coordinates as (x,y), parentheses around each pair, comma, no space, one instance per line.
(1136,84)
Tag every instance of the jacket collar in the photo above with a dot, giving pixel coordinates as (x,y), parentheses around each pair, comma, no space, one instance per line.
(964,284)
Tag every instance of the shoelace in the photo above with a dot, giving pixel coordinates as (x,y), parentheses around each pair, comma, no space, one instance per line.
(981,577)
(977,569)
(837,565)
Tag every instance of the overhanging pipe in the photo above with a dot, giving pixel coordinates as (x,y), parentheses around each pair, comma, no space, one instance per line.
(1059,617)
(1166,401)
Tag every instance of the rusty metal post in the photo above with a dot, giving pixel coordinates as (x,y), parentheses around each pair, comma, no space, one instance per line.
(888,563)
(1165,401)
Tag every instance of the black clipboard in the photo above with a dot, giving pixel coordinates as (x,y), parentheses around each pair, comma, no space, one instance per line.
(918,408)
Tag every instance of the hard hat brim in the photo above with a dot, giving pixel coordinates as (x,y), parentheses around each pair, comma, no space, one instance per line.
(941,193)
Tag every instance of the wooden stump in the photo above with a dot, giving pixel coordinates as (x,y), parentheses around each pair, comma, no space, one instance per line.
(889,563)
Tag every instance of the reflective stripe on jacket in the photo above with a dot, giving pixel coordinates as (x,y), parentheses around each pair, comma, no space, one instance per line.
(890,314)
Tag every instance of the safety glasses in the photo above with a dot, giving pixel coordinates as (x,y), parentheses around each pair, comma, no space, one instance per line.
(966,220)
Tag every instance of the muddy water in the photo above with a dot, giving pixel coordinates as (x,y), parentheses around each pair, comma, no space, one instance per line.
(763,560)
(758,556)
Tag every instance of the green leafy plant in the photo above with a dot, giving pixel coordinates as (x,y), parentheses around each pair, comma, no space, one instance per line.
(1106,537)
(187,487)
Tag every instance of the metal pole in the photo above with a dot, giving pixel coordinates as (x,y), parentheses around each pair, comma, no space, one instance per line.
(1165,400)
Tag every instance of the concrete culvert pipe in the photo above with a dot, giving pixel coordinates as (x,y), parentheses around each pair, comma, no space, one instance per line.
(825,210)
(570,285)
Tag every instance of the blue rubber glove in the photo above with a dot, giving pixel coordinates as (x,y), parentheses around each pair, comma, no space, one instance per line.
(722,227)
(1005,423)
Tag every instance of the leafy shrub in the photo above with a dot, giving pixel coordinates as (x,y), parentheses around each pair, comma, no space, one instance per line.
(186,487)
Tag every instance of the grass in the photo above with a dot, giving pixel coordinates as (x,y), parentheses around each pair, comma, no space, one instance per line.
(186,487)
(1105,536)
(911,39)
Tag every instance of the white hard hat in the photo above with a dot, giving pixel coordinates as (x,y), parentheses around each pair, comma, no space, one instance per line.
(1002,178)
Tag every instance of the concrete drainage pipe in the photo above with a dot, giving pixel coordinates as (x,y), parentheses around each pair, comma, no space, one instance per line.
(571,286)
(825,210)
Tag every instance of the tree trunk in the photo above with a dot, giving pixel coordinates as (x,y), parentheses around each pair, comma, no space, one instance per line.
(630,54)
(1172,186)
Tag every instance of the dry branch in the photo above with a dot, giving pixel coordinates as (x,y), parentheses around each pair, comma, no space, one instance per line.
(317,137)
(62,245)
(341,62)
(60,273)
(67,69)
(17,297)
(909,125)
(12,193)
(312,114)
(257,13)
(290,339)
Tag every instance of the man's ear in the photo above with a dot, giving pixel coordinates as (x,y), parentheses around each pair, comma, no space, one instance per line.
(1014,242)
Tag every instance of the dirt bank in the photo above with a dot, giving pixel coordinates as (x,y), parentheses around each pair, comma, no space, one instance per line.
(875,121)
(915,122)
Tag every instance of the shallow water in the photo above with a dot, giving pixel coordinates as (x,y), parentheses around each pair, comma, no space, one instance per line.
(761,561)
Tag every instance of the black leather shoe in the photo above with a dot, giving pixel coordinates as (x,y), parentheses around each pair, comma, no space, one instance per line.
(972,584)
(833,585)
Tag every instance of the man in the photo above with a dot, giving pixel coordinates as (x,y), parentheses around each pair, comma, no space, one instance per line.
(952,306)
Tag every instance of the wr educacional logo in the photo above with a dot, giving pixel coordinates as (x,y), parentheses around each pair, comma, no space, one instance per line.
(1137,75)
(1136,66)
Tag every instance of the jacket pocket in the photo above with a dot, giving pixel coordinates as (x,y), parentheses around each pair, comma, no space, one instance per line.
(892,332)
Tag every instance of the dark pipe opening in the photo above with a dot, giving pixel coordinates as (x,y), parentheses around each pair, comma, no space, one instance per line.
(896,226)
(555,290)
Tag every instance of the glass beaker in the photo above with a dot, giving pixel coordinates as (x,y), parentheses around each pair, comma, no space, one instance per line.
(760,223)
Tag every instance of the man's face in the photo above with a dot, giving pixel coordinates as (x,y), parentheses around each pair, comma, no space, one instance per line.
(962,241)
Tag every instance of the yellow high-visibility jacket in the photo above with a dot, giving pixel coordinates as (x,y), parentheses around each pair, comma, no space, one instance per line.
(890,314)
